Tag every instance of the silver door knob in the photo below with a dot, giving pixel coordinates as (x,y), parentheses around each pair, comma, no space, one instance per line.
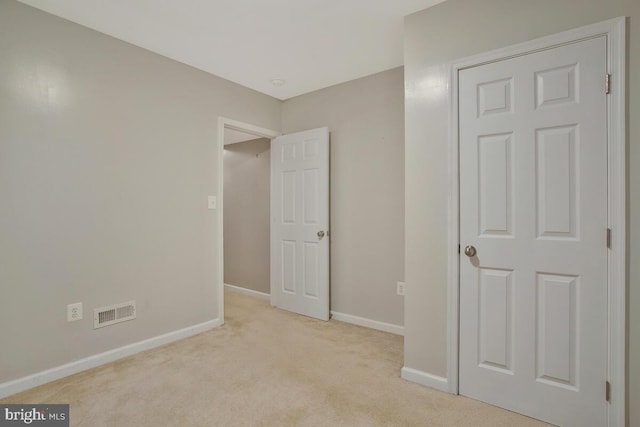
(470,251)
(320,234)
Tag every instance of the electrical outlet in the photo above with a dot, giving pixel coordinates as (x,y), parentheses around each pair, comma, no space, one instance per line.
(74,312)
(400,288)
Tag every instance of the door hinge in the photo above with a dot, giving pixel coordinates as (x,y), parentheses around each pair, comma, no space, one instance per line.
(607,391)
(608,238)
(607,84)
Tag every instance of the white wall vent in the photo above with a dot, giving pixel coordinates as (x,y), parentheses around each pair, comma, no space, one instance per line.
(105,316)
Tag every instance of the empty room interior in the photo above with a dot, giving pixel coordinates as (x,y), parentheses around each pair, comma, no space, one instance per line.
(418,212)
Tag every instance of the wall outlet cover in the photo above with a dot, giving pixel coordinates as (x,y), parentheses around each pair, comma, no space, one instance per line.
(401,288)
(74,312)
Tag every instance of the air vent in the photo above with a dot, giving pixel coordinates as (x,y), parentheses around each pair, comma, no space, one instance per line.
(105,316)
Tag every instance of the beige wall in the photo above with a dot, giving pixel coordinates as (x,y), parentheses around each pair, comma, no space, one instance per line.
(433,38)
(107,155)
(247,167)
(365,117)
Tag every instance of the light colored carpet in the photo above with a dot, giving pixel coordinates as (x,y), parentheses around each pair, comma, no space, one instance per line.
(265,367)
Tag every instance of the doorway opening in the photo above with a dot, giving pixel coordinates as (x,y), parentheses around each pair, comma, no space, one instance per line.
(243,208)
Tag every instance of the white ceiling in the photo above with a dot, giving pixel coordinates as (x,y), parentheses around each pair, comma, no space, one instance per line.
(311,44)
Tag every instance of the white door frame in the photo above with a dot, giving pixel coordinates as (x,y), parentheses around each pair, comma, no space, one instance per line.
(259,132)
(615,31)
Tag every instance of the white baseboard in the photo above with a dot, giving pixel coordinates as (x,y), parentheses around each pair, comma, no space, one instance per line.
(368,323)
(250,292)
(425,379)
(39,378)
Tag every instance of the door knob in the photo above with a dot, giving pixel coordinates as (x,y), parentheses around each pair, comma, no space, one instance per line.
(470,251)
(320,234)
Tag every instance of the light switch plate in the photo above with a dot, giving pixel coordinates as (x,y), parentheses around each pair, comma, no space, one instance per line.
(211,202)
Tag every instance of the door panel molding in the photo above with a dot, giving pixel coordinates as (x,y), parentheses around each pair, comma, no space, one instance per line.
(300,223)
(615,32)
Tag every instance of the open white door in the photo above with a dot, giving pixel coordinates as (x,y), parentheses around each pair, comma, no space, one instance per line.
(533,222)
(300,223)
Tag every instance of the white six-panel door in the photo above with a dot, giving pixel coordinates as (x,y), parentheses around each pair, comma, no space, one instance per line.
(300,223)
(533,204)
